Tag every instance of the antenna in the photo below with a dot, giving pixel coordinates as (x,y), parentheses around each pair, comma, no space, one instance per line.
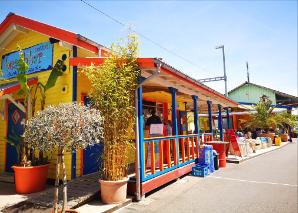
(247,71)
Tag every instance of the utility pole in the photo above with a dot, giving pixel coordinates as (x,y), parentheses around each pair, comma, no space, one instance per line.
(247,72)
(224,67)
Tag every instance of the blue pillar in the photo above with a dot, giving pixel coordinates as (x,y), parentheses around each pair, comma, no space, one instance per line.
(220,123)
(174,111)
(195,112)
(141,133)
(196,116)
(74,98)
(174,119)
(228,117)
(209,103)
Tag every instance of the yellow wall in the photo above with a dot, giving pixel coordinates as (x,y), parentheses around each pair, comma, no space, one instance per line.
(2,142)
(53,96)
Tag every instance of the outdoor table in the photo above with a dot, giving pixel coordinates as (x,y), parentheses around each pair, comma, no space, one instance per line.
(220,147)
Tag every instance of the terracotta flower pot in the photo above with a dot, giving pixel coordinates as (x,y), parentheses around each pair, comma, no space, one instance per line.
(284,137)
(30,179)
(113,191)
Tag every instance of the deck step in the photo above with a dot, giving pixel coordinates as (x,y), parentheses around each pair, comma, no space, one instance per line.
(80,191)
(7,177)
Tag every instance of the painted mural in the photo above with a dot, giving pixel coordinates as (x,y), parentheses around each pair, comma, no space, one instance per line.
(39,58)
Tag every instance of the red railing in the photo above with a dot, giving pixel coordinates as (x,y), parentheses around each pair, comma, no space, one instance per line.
(163,154)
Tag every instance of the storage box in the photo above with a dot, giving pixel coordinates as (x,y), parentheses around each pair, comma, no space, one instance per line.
(200,171)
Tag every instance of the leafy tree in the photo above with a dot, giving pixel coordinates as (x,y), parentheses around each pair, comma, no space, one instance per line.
(112,93)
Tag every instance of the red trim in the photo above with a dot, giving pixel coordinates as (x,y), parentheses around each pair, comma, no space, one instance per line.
(16,87)
(165,178)
(48,30)
(79,61)
(85,61)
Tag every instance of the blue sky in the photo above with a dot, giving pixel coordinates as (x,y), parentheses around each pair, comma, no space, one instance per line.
(264,33)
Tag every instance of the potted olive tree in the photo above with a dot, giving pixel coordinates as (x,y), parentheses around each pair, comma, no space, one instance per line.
(64,128)
(31,171)
(112,92)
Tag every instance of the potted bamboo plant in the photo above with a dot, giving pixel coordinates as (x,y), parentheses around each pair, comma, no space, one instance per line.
(112,92)
(64,128)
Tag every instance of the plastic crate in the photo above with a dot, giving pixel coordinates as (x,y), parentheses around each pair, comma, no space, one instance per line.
(206,157)
(200,171)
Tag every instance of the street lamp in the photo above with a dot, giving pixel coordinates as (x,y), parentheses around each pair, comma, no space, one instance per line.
(224,66)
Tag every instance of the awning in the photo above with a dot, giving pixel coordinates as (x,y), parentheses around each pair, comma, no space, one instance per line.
(12,87)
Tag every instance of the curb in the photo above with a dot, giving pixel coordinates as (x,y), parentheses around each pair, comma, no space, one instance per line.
(242,160)
(119,206)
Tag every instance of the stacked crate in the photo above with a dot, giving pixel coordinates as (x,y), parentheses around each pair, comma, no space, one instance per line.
(205,163)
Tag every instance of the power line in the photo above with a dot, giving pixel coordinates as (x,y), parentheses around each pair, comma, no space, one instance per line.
(142,35)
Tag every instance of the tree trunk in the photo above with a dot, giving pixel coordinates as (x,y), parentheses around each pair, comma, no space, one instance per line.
(56,191)
(64,184)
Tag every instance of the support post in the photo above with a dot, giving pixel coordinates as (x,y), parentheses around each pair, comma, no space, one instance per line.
(209,103)
(74,98)
(235,124)
(141,134)
(220,122)
(228,117)
(174,119)
(174,111)
(195,111)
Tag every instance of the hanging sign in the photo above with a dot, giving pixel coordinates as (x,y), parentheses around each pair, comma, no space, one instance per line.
(156,129)
(38,57)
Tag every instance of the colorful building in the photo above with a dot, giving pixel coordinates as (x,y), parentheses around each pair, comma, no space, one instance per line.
(174,95)
(43,45)
(249,94)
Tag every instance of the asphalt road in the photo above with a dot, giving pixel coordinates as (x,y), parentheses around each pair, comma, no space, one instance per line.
(267,183)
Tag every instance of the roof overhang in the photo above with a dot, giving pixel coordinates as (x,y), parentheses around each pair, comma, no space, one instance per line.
(16,22)
(168,77)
